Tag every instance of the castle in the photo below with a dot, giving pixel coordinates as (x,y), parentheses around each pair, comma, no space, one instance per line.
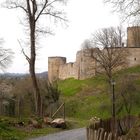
(85,66)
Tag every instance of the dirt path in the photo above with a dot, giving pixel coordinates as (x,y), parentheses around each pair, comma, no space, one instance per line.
(75,134)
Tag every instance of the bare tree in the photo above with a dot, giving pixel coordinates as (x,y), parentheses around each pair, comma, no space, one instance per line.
(34,10)
(5,61)
(108,50)
(5,56)
(110,55)
(129,8)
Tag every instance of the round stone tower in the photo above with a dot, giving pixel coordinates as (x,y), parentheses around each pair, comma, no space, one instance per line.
(53,67)
(133,36)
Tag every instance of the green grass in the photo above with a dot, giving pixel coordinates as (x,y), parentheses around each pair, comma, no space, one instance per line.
(10,132)
(87,98)
(19,134)
(87,107)
(71,87)
(43,131)
(132,70)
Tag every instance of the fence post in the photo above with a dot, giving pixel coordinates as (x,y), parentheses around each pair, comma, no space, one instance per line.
(87,133)
(101,134)
(105,136)
(95,135)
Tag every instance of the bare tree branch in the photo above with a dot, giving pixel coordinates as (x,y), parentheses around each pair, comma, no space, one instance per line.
(43,31)
(129,8)
(6,56)
(107,50)
(41,11)
(56,15)
(14,5)
(26,56)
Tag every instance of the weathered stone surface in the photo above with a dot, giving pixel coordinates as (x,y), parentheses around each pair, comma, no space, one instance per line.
(86,67)
(53,67)
(133,36)
(82,68)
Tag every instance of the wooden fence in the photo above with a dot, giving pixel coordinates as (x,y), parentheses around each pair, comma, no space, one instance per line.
(101,134)
(102,129)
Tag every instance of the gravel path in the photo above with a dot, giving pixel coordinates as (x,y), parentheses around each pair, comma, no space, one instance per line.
(75,134)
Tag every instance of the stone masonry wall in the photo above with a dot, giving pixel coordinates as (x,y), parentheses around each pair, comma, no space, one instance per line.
(85,66)
(53,67)
(133,58)
(68,70)
(133,36)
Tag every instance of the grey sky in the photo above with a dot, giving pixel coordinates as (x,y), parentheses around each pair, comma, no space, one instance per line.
(84,18)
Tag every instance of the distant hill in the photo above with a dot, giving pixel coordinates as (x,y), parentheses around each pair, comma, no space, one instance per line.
(22,75)
(42,74)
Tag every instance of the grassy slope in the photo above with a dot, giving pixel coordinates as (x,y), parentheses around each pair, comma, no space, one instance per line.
(90,97)
(83,97)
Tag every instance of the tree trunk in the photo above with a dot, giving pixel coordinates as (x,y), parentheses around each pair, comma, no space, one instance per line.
(1,106)
(32,66)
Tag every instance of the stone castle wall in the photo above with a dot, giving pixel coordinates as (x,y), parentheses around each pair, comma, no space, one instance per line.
(68,70)
(133,58)
(53,67)
(133,36)
(85,66)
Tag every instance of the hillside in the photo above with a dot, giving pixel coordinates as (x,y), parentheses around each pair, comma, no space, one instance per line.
(90,97)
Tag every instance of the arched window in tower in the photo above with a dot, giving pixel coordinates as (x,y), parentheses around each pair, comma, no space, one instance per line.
(135,59)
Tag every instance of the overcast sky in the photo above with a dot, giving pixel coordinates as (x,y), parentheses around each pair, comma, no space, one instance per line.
(84,18)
